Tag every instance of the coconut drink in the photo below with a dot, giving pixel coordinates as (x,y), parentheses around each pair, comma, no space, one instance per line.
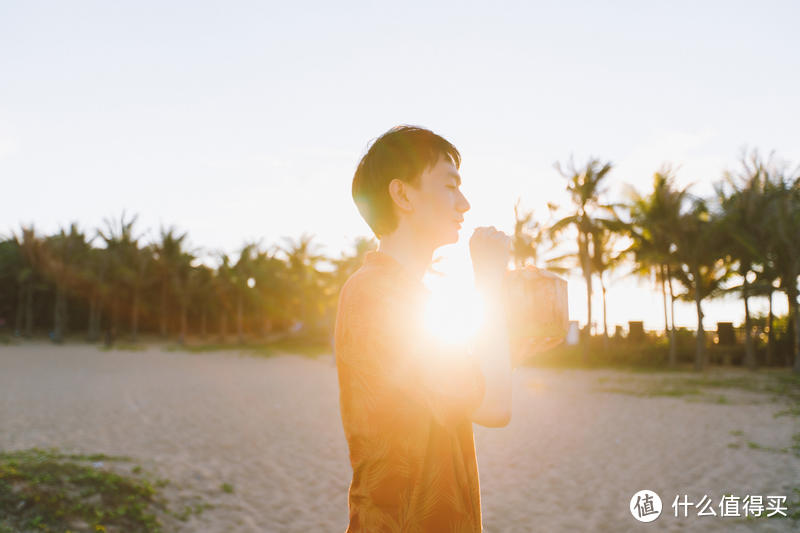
(536,307)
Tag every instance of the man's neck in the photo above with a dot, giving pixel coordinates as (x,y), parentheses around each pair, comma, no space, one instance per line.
(404,247)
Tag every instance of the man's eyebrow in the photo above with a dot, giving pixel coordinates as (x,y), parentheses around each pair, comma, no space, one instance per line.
(455,175)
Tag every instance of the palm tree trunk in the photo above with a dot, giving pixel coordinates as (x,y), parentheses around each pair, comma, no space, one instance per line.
(223,325)
(673,345)
(749,350)
(90,330)
(605,321)
(667,332)
(302,291)
(92,305)
(770,333)
(588,304)
(112,323)
(135,315)
(20,310)
(588,334)
(184,323)
(29,311)
(59,314)
(95,318)
(240,319)
(662,278)
(700,353)
(587,276)
(164,308)
(795,320)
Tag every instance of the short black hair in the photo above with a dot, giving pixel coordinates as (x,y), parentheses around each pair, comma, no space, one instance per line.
(403,152)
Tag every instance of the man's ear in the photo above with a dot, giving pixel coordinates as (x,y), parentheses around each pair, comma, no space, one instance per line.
(398,190)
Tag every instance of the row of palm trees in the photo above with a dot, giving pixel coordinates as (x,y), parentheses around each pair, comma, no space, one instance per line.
(112,282)
(745,240)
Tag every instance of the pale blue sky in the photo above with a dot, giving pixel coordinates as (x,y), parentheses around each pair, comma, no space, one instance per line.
(245,120)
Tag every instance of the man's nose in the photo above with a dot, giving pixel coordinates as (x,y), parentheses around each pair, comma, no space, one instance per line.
(463,205)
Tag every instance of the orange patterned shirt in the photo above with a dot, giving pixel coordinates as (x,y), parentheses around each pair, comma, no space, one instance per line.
(406,402)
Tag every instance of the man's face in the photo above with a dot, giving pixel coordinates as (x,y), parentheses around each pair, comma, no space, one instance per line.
(438,204)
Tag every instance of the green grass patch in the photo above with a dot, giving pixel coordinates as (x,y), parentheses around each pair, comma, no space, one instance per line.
(791,411)
(794,504)
(45,490)
(756,446)
(775,386)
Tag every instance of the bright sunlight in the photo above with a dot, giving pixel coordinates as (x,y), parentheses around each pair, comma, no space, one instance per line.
(454,311)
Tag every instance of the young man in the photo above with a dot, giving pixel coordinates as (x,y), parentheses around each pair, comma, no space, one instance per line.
(408,401)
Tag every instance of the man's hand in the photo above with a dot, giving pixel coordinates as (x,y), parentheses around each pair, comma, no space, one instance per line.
(490,250)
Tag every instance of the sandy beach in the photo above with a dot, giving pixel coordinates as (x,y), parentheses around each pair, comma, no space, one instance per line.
(577,449)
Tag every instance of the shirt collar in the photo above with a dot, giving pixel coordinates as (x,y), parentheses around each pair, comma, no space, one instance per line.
(380,259)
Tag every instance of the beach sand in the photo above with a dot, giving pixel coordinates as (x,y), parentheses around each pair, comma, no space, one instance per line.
(570,460)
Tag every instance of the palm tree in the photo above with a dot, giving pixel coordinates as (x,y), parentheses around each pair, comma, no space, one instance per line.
(765,284)
(348,263)
(200,291)
(11,262)
(224,287)
(606,257)
(183,291)
(700,252)
(652,228)
(585,189)
(272,285)
(60,259)
(96,285)
(143,265)
(243,279)
(529,236)
(784,208)
(123,265)
(29,245)
(169,258)
(302,259)
(344,266)
(744,212)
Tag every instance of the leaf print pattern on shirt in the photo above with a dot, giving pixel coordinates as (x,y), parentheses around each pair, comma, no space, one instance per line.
(406,405)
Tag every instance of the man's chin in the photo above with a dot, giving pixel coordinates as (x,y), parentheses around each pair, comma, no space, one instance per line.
(447,238)
(453,239)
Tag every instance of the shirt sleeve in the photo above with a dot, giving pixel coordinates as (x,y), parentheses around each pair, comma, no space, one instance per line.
(385,342)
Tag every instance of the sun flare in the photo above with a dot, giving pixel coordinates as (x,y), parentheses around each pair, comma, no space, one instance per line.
(454,312)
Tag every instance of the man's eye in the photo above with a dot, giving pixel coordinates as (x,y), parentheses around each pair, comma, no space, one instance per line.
(452,187)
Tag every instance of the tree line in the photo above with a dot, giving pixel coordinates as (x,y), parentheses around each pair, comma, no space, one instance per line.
(744,239)
(110,285)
